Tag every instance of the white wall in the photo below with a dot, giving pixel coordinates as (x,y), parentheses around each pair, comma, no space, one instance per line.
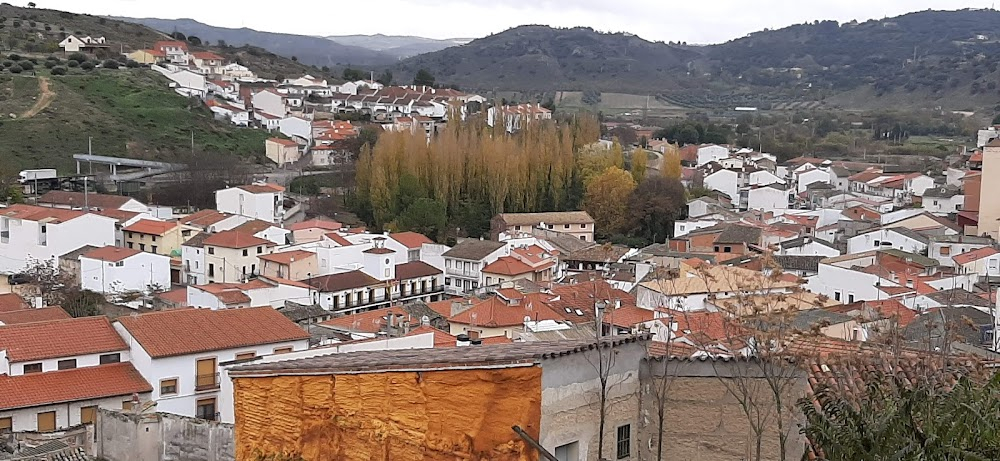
(193,259)
(86,360)
(725,181)
(294,126)
(711,153)
(262,206)
(839,284)
(938,205)
(23,243)
(767,199)
(920,184)
(811,176)
(137,273)
(682,228)
(67,414)
(878,240)
(934,251)
(811,249)
(269,103)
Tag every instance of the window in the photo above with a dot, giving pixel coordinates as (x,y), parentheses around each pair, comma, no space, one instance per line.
(130,235)
(168,386)
(583,237)
(583,226)
(716,249)
(6,424)
(206,375)
(624,441)
(205,409)
(245,355)
(122,263)
(850,298)
(259,250)
(211,250)
(111,358)
(88,415)
(836,296)
(282,350)
(517,228)
(47,421)
(565,226)
(211,270)
(945,251)
(245,252)
(877,243)
(67,364)
(128,405)
(32,368)
(130,246)
(727,249)
(142,247)
(447,282)
(154,238)
(568,452)
(153,248)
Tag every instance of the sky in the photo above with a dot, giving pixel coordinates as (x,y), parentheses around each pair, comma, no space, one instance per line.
(694,22)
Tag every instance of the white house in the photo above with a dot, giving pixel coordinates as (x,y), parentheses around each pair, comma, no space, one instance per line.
(725,181)
(763,178)
(464,262)
(185,82)
(233,256)
(32,233)
(807,246)
(120,270)
(295,127)
(944,247)
(179,352)
(767,198)
(711,153)
(193,260)
(899,238)
(271,102)
(984,261)
(56,374)
(259,201)
(943,200)
(260,292)
(838,178)
(805,178)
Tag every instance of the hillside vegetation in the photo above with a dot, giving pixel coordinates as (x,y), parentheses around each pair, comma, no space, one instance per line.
(128,113)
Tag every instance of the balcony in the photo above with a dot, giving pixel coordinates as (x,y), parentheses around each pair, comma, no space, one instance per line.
(461,273)
(209,382)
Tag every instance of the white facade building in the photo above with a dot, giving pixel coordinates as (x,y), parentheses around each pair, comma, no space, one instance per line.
(259,201)
(121,270)
(31,233)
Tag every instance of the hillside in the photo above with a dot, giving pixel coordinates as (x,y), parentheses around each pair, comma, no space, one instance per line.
(397,46)
(315,51)
(39,31)
(128,113)
(547,59)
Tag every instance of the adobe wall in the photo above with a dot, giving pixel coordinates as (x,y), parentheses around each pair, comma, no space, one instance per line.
(162,437)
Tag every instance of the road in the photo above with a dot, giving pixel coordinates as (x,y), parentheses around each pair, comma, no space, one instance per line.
(45,97)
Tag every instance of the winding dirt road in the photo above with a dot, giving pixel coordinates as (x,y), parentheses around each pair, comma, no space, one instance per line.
(45,97)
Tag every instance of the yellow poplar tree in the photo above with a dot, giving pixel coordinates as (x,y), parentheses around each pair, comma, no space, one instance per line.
(606,199)
(670,166)
(639,159)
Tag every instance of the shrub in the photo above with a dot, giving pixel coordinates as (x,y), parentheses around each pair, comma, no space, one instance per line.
(17,24)
(110,64)
(33,60)
(15,69)
(14,57)
(26,65)
(78,57)
(8,63)
(87,65)
(72,63)
(59,70)
(52,57)
(132,64)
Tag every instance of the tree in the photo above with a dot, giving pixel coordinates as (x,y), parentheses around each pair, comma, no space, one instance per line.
(625,134)
(670,165)
(110,64)
(295,59)
(194,40)
(606,200)
(221,43)
(996,120)
(423,77)
(31,4)
(638,164)
(385,78)
(178,36)
(352,75)
(654,205)
(425,216)
(688,135)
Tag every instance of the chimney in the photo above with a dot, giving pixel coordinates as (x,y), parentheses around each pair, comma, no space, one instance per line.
(37,302)
(462,340)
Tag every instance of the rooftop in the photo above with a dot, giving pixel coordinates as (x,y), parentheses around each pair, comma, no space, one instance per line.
(40,213)
(151,227)
(504,355)
(79,199)
(191,331)
(415,269)
(12,302)
(316,223)
(204,218)
(473,250)
(343,281)
(111,254)
(555,217)
(86,383)
(507,265)
(262,188)
(235,239)
(288,257)
(33,315)
(411,240)
(27,342)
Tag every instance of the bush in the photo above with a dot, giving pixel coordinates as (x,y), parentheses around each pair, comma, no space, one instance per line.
(33,60)
(110,64)
(78,57)
(14,57)
(15,69)
(87,65)
(59,70)
(26,65)
(72,63)
(132,64)
(8,63)
(51,64)
(52,57)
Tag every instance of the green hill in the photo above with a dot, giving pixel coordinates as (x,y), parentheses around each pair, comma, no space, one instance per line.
(127,112)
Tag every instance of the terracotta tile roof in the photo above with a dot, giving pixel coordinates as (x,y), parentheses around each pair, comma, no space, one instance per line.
(368,321)
(207,56)
(627,316)
(120,215)
(316,223)
(150,227)
(340,240)
(379,251)
(288,257)
(27,342)
(441,338)
(204,218)
(411,240)
(977,157)
(176,297)
(262,188)
(87,383)
(79,199)
(253,226)
(974,255)
(582,296)
(40,213)
(507,265)
(415,269)
(344,281)
(12,302)
(495,312)
(712,326)
(33,315)
(160,45)
(191,331)
(235,239)
(284,142)
(111,254)
(443,307)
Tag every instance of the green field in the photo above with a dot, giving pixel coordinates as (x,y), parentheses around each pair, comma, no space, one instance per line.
(129,113)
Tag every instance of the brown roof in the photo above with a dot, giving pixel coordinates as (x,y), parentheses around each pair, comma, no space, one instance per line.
(342,281)
(473,249)
(495,312)
(111,254)
(288,257)
(262,188)
(974,255)
(410,240)
(366,322)
(379,251)
(28,342)
(509,354)
(204,218)
(253,226)
(150,227)
(40,213)
(120,215)
(555,217)
(316,223)
(627,316)
(12,302)
(441,338)
(191,331)
(507,265)
(283,142)
(415,269)
(235,239)
(33,315)
(78,200)
(338,239)
(86,383)
(176,297)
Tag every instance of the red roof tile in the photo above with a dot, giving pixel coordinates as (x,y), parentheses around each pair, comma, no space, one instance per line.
(235,239)
(87,383)
(40,213)
(628,316)
(207,56)
(411,240)
(507,265)
(27,342)
(441,338)
(33,315)
(176,297)
(79,199)
(262,188)
(111,254)
(120,215)
(339,239)
(253,226)
(288,257)
(190,331)
(495,312)
(284,142)
(12,302)
(974,255)
(204,218)
(150,227)
(368,321)
(316,223)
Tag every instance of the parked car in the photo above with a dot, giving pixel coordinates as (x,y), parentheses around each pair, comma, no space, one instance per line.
(18,279)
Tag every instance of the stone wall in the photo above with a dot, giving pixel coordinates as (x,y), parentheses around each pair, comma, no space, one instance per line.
(162,437)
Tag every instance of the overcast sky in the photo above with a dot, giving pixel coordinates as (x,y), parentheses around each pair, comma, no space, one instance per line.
(705,21)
